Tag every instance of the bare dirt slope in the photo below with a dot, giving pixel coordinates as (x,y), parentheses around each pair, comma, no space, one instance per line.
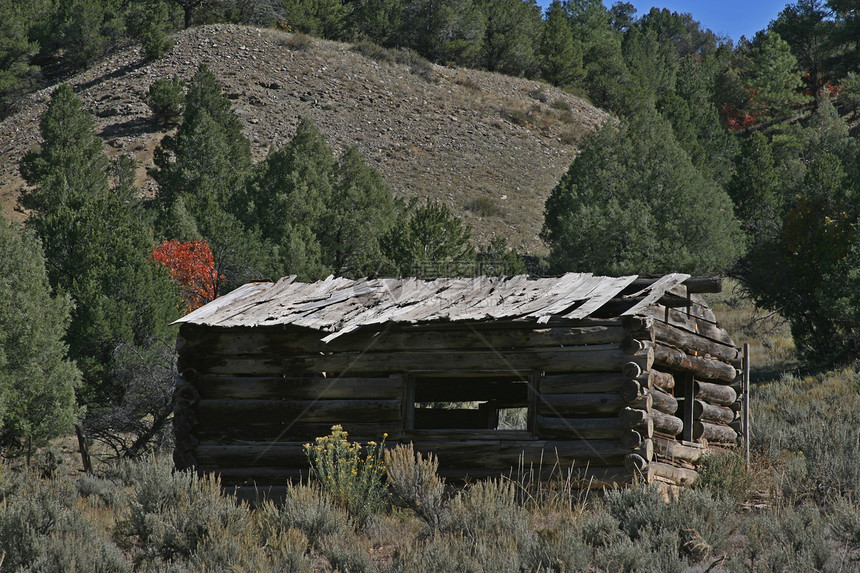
(490,146)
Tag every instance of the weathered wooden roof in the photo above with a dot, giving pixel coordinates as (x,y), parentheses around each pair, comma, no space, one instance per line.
(339,305)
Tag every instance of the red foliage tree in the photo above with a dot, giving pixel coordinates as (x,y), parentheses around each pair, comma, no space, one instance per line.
(192,265)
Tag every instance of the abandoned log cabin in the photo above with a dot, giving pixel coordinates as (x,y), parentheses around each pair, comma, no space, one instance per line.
(607,377)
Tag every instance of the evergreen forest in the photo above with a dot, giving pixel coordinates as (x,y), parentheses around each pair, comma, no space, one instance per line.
(738,160)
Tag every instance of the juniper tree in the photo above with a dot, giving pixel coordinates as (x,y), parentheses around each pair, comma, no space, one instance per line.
(632,202)
(37,380)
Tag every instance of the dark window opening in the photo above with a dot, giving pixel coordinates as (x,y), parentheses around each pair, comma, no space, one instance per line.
(470,403)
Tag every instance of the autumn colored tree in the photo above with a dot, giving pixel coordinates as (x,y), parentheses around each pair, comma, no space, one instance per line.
(192,266)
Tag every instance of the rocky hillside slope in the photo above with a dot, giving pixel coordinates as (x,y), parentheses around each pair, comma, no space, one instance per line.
(490,146)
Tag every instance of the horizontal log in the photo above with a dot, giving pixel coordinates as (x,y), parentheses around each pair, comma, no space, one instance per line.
(278,340)
(587,382)
(631,390)
(714,433)
(643,402)
(227,432)
(693,343)
(284,454)
(666,423)
(455,389)
(461,435)
(663,401)
(635,438)
(645,450)
(701,367)
(298,411)
(579,428)
(663,380)
(562,405)
(672,450)
(249,387)
(604,358)
(701,326)
(716,393)
(659,471)
(633,418)
(509,453)
(634,463)
(710,413)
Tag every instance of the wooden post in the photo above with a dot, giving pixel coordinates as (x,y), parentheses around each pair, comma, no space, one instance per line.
(746,391)
(533,399)
(408,405)
(85,451)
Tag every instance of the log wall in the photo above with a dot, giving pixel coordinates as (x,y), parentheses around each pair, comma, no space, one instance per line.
(607,399)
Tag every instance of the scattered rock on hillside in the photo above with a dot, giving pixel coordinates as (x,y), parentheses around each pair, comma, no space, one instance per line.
(492,147)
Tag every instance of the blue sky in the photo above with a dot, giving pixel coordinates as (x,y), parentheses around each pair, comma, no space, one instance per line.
(733,18)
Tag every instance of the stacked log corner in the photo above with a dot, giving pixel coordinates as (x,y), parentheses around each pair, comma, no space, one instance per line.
(689,348)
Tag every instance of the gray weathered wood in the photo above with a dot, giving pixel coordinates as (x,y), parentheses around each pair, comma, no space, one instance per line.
(274,340)
(608,358)
(562,405)
(716,393)
(702,367)
(711,413)
(214,387)
(672,450)
(579,428)
(659,471)
(587,382)
(304,411)
(714,433)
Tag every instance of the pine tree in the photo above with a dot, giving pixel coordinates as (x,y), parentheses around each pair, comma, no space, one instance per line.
(16,49)
(289,195)
(37,380)
(774,81)
(632,202)
(359,213)
(512,28)
(96,248)
(561,59)
(430,242)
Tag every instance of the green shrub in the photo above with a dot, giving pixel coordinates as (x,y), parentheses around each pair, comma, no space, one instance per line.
(307,509)
(166,99)
(787,539)
(153,37)
(178,516)
(560,104)
(348,555)
(352,477)
(484,207)
(488,510)
(42,529)
(687,529)
(724,474)
(298,41)
(414,483)
(562,548)
(807,428)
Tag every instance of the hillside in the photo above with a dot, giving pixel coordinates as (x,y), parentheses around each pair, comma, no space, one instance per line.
(491,146)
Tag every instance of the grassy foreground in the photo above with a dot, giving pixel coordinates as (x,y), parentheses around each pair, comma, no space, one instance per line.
(797,509)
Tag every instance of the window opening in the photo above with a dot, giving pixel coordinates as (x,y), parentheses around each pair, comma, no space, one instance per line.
(470,402)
